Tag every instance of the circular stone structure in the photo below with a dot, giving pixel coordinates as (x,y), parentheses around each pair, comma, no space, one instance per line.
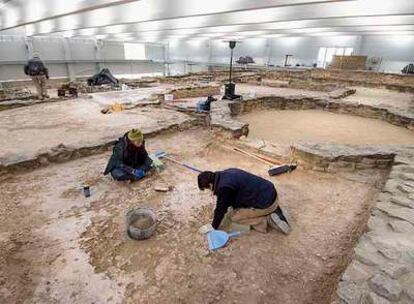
(292,126)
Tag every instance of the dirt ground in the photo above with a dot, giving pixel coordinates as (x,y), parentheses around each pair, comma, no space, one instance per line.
(382,97)
(321,126)
(256,90)
(56,246)
(28,131)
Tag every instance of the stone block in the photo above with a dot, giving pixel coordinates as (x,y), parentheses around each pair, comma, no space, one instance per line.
(373,298)
(396,211)
(357,272)
(377,223)
(401,226)
(395,270)
(385,286)
(349,292)
(402,201)
(366,253)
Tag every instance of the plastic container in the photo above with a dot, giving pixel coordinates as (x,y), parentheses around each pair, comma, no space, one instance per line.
(141,223)
(168,97)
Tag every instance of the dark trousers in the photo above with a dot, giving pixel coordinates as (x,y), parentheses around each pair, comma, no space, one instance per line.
(120,174)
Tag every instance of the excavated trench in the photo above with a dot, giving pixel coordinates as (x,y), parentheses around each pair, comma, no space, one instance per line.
(292,126)
(75,249)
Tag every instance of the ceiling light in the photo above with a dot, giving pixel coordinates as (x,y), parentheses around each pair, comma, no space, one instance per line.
(87,31)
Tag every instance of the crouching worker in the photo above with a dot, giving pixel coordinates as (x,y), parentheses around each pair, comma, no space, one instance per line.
(253,199)
(204,106)
(129,160)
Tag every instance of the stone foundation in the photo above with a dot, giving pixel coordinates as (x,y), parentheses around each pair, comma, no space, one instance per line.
(402,83)
(394,116)
(62,153)
(195,91)
(381,269)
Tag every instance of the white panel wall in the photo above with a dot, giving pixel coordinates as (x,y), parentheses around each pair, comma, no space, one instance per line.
(304,49)
(396,51)
(13,48)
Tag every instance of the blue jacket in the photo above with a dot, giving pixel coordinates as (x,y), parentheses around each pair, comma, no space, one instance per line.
(240,189)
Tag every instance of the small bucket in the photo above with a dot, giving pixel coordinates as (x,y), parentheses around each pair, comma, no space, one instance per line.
(141,223)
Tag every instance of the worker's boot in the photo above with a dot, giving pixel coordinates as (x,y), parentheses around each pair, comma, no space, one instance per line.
(279,220)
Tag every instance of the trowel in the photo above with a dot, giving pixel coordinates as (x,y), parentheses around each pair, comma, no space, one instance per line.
(218,238)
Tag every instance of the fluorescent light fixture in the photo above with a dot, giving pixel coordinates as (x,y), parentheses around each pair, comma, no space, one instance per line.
(12,16)
(46,26)
(68,22)
(273,35)
(68,34)
(212,35)
(87,31)
(114,29)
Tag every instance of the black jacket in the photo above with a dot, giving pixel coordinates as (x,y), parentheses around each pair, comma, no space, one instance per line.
(240,189)
(35,67)
(124,155)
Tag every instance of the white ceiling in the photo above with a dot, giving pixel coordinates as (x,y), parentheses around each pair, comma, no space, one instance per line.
(157,20)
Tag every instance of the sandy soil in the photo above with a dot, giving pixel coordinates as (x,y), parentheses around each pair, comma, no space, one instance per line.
(56,246)
(288,127)
(382,97)
(28,131)
(248,90)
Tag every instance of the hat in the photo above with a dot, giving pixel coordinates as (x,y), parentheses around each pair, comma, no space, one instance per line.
(136,136)
(35,55)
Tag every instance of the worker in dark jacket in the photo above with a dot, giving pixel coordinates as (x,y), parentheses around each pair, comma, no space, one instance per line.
(204,106)
(39,73)
(129,160)
(253,199)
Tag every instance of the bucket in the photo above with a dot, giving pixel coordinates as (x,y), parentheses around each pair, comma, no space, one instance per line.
(141,223)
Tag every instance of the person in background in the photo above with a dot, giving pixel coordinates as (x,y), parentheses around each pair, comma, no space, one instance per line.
(254,199)
(204,106)
(129,160)
(39,74)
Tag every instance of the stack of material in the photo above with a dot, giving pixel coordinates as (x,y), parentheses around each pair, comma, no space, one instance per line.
(145,82)
(103,77)
(348,62)
(14,93)
(85,89)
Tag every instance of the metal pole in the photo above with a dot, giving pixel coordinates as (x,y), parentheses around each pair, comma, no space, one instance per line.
(231,64)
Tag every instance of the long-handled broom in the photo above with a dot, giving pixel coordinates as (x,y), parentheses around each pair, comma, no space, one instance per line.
(163,154)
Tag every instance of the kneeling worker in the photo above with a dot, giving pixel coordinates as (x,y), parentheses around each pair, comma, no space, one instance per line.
(129,160)
(204,106)
(254,199)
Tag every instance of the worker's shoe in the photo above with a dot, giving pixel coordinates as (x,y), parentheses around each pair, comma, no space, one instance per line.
(279,221)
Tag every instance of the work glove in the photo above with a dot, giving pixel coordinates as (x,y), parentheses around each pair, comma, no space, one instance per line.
(138,173)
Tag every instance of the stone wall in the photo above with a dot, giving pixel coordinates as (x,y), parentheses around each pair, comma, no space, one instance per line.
(399,82)
(382,268)
(195,91)
(397,117)
(62,153)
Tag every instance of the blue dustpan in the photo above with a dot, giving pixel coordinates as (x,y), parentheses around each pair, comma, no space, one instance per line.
(218,238)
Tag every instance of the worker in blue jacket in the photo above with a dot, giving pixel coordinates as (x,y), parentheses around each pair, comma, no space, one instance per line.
(253,199)
(129,159)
